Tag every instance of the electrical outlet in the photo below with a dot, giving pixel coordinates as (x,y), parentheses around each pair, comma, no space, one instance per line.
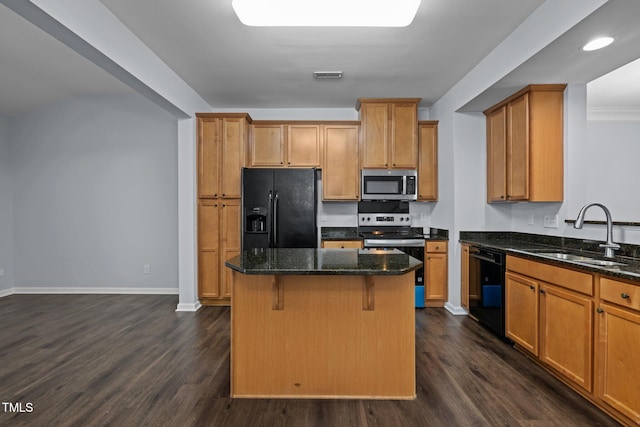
(551,221)
(531,220)
(423,216)
(1,271)
(146,269)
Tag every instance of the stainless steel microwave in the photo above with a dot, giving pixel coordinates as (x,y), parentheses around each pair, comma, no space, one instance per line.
(389,184)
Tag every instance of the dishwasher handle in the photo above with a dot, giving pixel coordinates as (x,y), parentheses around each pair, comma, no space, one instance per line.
(487,256)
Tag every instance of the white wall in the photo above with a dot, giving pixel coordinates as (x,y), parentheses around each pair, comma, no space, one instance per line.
(95,196)
(6,208)
(612,177)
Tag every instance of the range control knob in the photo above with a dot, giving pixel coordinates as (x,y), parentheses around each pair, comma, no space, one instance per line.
(407,219)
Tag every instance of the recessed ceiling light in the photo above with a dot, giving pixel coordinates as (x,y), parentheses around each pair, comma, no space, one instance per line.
(326,13)
(598,43)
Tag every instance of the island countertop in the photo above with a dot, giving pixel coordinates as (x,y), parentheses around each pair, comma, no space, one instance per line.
(317,261)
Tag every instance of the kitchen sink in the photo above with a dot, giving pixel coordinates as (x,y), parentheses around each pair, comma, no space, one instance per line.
(566,257)
(581,259)
(603,263)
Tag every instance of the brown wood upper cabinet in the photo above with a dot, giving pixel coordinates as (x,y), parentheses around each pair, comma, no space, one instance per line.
(389,133)
(221,141)
(285,144)
(340,173)
(525,146)
(428,160)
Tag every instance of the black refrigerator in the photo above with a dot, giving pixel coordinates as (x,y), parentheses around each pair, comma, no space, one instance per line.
(279,208)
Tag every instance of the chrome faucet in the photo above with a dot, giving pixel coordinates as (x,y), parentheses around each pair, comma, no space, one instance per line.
(609,246)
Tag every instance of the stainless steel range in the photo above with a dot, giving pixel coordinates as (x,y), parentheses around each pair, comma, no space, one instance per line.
(387,224)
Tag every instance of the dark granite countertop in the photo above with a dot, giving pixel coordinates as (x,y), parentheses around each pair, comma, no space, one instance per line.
(351,233)
(340,233)
(535,246)
(304,261)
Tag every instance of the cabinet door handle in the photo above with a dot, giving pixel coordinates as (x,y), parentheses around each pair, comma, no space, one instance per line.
(533,288)
(542,291)
(624,295)
(599,310)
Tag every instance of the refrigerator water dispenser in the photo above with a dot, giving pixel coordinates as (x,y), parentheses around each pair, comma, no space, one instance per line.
(256,220)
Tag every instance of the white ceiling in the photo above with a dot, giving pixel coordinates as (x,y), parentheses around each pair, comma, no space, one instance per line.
(36,69)
(563,61)
(233,66)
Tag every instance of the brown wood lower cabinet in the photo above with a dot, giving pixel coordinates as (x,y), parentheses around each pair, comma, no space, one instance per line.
(617,354)
(464,276)
(218,240)
(521,317)
(566,334)
(582,327)
(551,320)
(436,277)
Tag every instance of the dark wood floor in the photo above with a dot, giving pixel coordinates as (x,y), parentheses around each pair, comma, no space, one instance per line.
(87,360)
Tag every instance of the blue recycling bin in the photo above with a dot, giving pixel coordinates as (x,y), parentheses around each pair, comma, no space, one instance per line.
(419,296)
(491,296)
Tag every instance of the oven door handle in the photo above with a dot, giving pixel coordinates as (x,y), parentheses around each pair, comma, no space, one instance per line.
(393,243)
(483,258)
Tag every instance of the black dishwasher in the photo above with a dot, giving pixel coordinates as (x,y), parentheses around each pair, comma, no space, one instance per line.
(486,288)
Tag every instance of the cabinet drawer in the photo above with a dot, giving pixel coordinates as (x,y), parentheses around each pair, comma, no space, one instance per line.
(621,293)
(341,244)
(436,247)
(567,278)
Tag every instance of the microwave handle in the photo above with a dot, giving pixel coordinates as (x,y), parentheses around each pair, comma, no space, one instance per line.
(404,184)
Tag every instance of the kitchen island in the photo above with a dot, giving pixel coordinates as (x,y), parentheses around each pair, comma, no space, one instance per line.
(323,323)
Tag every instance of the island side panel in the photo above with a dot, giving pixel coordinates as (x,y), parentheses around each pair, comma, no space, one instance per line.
(322,344)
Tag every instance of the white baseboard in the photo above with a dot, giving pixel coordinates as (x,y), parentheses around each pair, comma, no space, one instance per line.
(7,292)
(77,290)
(457,311)
(189,307)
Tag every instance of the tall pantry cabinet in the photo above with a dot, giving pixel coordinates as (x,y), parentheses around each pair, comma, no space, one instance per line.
(221,142)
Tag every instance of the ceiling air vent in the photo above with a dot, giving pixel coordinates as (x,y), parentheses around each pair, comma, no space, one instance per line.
(327,74)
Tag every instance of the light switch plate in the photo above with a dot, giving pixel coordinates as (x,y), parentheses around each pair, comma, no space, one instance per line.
(551,221)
